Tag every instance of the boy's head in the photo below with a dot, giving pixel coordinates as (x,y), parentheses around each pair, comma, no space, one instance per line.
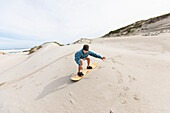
(85,48)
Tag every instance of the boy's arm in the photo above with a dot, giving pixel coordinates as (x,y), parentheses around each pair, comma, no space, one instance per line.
(77,58)
(94,55)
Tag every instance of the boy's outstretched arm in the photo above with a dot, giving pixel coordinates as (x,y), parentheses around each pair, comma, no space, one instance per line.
(96,55)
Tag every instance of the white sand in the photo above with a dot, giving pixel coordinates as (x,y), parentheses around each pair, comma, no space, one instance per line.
(135,78)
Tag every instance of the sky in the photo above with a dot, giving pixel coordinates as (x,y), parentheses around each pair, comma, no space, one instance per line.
(28,23)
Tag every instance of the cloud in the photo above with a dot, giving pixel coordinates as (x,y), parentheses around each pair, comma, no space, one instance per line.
(66,21)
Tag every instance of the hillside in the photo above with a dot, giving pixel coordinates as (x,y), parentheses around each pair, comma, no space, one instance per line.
(152,26)
(133,79)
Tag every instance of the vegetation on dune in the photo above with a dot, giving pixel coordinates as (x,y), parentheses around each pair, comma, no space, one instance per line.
(129,29)
(155,19)
(2,53)
(2,83)
(82,40)
(32,50)
(57,43)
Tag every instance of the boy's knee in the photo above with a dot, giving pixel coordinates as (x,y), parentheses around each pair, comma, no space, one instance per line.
(81,62)
(88,58)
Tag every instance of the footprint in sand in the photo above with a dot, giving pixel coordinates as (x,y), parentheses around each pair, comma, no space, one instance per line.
(71,101)
(120,81)
(122,94)
(113,61)
(126,88)
(136,97)
(70,93)
(123,101)
(131,79)
(99,67)
(120,77)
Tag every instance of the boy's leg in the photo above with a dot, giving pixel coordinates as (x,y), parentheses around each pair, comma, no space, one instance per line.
(79,66)
(88,61)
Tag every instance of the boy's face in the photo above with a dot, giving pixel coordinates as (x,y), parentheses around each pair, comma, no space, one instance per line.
(84,51)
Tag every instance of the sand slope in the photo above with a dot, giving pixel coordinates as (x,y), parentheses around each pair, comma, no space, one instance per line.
(133,79)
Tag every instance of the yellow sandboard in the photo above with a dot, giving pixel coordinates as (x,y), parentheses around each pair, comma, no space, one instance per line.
(85,71)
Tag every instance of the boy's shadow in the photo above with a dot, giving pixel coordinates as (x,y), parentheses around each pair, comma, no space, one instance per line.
(55,85)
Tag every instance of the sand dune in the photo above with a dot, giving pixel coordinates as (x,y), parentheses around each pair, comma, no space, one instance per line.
(133,79)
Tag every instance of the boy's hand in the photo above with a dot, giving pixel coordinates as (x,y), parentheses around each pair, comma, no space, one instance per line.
(103,58)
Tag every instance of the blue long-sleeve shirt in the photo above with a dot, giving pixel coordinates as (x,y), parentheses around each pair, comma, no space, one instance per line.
(80,55)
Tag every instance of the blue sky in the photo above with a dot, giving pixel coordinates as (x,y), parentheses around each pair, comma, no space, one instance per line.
(27,23)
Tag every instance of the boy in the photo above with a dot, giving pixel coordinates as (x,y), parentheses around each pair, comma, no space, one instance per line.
(83,54)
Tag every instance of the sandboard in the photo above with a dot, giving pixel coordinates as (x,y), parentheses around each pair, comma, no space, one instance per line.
(85,71)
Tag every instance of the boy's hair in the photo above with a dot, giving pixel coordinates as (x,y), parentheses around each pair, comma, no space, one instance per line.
(86,47)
